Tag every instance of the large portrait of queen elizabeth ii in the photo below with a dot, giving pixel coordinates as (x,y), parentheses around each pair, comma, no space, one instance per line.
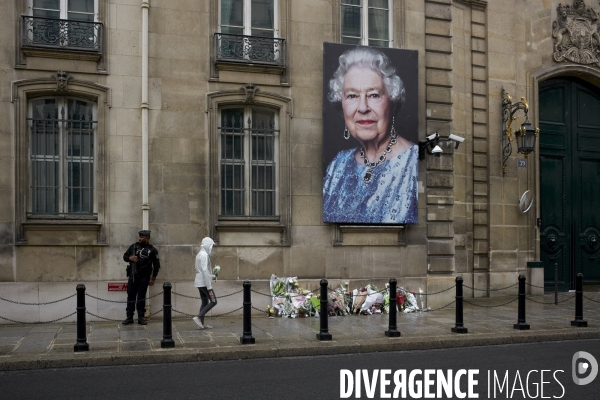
(370,122)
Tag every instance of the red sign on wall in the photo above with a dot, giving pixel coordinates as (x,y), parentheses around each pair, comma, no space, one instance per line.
(117,287)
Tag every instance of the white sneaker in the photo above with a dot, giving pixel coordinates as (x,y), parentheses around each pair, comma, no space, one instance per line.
(197,321)
(208,326)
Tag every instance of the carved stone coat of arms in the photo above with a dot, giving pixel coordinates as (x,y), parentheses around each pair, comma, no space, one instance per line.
(576,34)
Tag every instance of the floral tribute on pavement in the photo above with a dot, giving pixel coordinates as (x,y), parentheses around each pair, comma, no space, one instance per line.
(288,299)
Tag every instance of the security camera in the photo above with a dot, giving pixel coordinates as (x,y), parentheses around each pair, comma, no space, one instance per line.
(457,139)
(437,150)
(433,136)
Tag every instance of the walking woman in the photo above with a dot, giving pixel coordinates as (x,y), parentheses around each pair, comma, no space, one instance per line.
(203,282)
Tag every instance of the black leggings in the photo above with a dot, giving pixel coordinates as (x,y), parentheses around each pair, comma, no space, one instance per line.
(206,305)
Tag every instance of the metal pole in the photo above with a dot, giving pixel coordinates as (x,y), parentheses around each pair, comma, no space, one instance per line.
(82,344)
(393,329)
(167,341)
(579,321)
(521,324)
(555,283)
(247,336)
(324,334)
(459,327)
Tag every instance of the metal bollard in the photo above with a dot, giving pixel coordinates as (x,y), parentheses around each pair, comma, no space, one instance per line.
(555,284)
(324,333)
(82,344)
(579,302)
(247,336)
(459,327)
(167,340)
(521,324)
(393,329)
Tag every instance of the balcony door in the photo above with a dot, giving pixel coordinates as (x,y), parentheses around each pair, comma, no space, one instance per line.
(73,10)
(62,24)
(569,180)
(248,29)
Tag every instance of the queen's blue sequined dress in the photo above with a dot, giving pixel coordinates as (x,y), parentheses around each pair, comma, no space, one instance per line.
(390,197)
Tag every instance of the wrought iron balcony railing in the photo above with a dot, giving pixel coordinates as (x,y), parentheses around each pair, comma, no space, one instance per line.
(61,34)
(250,49)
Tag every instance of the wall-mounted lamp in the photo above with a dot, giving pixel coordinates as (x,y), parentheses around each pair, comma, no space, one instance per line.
(431,145)
(526,134)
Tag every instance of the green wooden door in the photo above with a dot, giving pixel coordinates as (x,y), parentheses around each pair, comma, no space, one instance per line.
(570,180)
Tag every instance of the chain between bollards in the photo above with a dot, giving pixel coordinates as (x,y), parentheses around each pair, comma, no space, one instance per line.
(247,324)
(579,321)
(82,344)
(521,323)
(167,341)
(459,327)
(393,328)
(323,315)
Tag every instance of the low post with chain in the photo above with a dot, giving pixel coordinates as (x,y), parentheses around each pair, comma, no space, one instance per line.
(459,327)
(167,341)
(323,314)
(247,323)
(82,344)
(579,321)
(393,311)
(521,324)
(555,284)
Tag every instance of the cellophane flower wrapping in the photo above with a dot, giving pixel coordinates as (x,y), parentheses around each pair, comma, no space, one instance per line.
(286,296)
(288,299)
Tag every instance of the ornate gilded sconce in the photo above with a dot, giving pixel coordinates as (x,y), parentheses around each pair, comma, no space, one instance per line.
(526,134)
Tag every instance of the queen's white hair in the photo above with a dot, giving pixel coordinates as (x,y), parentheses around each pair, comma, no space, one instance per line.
(364,57)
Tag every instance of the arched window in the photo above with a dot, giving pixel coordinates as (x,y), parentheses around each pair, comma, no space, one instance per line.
(250,168)
(61,178)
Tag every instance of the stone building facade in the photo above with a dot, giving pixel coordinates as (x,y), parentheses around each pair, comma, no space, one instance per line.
(152,83)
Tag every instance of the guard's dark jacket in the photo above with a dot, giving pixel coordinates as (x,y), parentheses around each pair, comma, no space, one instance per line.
(148,262)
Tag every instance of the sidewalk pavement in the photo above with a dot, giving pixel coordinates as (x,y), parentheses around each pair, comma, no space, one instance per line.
(489,322)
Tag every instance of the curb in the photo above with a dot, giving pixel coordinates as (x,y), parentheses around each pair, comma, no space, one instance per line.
(257,351)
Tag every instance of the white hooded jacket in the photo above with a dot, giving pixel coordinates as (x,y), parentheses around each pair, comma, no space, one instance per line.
(203,268)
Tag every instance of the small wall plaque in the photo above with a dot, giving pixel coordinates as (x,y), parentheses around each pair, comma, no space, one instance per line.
(117,287)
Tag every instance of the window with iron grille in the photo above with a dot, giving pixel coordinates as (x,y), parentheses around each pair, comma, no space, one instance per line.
(366,22)
(62,134)
(248,155)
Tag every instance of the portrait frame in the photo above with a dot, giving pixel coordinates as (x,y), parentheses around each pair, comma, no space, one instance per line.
(405,62)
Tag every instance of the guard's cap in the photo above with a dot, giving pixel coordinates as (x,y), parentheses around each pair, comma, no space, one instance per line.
(144,233)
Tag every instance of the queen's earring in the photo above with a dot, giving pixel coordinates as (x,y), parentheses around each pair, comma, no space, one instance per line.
(393,133)
(346,133)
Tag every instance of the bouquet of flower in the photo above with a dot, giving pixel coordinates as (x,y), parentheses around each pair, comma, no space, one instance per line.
(216,271)
(278,288)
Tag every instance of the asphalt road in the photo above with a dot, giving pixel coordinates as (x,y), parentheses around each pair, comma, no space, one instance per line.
(504,372)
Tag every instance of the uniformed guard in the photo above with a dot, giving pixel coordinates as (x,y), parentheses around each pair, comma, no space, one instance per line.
(141,271)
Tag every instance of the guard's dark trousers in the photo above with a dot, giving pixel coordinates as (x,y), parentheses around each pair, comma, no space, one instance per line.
(136,295)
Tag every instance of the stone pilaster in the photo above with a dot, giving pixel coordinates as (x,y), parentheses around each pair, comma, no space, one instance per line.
(439,113)
(481,146)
